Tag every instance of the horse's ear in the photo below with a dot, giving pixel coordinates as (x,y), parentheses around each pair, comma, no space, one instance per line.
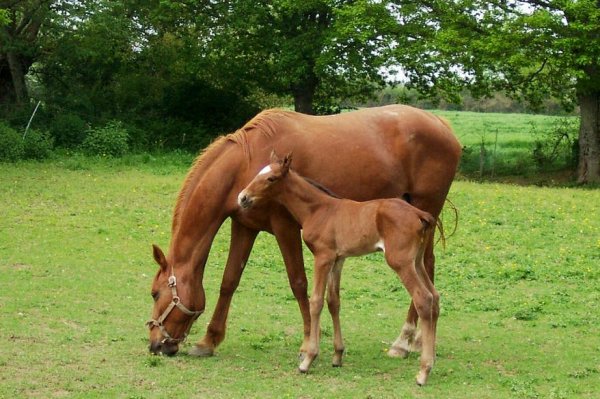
(159,257)
(286,162)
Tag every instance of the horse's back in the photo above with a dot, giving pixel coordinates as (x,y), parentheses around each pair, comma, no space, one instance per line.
(371,153)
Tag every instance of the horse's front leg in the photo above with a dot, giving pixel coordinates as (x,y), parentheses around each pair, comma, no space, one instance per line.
(242,240)
(287,234)
(323,266)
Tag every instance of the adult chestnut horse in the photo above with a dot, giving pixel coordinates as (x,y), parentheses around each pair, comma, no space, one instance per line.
(384,152)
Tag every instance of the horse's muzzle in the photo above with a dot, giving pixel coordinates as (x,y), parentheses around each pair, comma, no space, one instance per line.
(165,348)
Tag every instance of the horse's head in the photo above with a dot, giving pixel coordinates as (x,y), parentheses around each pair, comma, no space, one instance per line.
(177,304)
(266,183)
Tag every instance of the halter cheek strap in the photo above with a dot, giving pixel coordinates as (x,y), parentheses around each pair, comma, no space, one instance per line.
(175,303)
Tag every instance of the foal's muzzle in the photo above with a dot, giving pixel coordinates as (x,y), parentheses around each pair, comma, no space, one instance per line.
(244,200)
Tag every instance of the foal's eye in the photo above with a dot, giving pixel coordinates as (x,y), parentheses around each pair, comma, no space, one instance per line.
(271,179)
(154,295)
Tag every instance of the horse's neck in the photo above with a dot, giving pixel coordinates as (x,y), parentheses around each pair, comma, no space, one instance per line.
(301,198)
(202,212)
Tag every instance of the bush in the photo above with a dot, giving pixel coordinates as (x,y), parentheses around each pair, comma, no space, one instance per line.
(557,145)
(68,130)
(11,144)
(108,141)
(37,145)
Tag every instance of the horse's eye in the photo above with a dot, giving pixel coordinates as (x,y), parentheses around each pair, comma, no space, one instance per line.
(154,295)
(271,179)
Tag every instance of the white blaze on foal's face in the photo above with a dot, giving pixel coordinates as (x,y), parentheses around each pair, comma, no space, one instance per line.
(264,170)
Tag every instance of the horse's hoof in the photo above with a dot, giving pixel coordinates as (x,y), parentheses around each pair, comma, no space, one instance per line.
(198,351)
(302,370)
(398,353)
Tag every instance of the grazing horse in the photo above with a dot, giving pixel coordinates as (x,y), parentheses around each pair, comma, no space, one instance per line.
(334,229)
(384,152)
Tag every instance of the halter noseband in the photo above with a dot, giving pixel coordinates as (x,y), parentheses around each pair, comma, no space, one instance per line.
(175,303)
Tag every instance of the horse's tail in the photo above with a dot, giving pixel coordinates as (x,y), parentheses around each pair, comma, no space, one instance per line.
(440,225)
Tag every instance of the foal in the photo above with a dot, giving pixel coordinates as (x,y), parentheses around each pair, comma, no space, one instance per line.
(334,229)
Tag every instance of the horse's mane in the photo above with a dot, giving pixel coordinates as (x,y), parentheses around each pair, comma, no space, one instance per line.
(264,122)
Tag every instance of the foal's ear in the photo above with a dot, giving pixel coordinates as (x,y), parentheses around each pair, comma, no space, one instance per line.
(159,257)
(285,163)
(274,158)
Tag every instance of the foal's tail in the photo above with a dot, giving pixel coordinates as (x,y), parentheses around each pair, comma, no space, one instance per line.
(429,223)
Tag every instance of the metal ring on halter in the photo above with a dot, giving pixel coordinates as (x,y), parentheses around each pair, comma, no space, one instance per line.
(175,303)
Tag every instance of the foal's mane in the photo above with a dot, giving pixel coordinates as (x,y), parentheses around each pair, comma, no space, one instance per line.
(321,187)
(264,123)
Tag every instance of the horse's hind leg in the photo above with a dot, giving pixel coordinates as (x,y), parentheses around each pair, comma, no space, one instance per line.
(242,240)
(287,233)
(333,303)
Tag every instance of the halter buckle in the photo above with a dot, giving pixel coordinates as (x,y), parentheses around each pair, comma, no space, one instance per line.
(172,282)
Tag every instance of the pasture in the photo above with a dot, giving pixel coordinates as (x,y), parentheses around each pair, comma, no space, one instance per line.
(519,283)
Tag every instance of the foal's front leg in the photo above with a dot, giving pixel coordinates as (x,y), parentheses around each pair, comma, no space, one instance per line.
(323,265)
(333,303)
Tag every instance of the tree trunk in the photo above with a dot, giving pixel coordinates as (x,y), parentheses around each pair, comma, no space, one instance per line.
(303,101)
(304,93)
(18,77)
(588,170)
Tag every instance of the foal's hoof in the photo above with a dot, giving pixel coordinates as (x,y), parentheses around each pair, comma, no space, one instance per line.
(302,370)
(398,353)
(421,380)
(200,351)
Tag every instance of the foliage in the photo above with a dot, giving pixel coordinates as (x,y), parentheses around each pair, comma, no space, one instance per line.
(108,141)
(530,49)
(515,296)
(11,144)
(68,129)
(4,17)
(557,143)
(37,145)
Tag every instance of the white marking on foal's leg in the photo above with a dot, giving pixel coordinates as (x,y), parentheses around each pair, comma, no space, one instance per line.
(264,170)
(417,344)
(402,346)
(380,246)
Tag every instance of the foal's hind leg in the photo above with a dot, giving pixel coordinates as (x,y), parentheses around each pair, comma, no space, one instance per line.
(333,303)
(409,339)
(423,300)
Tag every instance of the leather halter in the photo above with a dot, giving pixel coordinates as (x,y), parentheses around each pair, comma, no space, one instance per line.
(175,303)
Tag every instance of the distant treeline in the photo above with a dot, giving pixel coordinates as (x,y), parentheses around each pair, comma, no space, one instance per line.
(499,102)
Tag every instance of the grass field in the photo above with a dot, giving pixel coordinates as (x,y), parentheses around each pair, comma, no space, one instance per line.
(519,283)
(509,141)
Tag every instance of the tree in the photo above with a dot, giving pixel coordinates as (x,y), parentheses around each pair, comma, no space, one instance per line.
(20,24)
(531,49)
(315,50)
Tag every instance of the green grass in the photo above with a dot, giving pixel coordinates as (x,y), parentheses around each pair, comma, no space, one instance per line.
(519,285)
(518,281)
(509,142)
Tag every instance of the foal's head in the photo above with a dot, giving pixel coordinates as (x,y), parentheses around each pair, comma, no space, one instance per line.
(266,183)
